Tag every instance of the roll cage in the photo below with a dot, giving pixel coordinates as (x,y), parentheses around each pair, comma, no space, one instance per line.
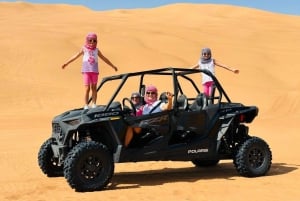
(177,89)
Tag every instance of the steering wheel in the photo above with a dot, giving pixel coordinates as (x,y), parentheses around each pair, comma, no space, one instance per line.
(132,109)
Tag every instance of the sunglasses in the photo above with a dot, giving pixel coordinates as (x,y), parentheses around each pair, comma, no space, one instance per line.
(205,54)
(134,97)
(92,41)
(150,92)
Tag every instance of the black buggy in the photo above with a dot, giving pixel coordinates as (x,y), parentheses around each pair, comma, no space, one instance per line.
(85,144)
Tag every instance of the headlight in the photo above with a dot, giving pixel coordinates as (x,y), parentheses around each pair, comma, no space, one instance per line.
(56,128)
(57,132)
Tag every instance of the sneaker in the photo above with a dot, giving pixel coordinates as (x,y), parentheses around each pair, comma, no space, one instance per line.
(86,107)
(94,105)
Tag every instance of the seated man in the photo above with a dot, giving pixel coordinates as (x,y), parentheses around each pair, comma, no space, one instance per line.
(152,106)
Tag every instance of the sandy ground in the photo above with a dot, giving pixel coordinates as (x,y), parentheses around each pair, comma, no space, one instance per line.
(36,40)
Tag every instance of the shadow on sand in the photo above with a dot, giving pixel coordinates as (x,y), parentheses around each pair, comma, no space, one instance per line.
(127,180)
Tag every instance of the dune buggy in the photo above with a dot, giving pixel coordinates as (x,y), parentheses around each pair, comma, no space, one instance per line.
(86,144)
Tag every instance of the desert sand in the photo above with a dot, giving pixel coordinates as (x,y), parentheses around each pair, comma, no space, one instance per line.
(36,39)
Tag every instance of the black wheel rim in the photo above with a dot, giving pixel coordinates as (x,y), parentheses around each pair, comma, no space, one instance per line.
(54,164)
(91,167)
(256,158)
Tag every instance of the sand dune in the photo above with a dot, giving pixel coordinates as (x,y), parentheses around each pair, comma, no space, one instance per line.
(36,39)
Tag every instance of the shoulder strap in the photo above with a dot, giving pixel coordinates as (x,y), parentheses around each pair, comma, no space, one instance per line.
(158,104)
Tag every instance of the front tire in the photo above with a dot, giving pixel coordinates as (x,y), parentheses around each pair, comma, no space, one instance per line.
(89,166)
(253,158)
(47,162)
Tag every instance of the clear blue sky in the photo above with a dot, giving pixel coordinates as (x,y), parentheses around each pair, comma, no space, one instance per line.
(291,7)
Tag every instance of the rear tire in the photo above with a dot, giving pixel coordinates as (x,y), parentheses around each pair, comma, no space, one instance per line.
(47,162)
(253,158)
(89,166)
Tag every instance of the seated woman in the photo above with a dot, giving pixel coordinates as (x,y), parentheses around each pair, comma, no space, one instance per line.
(152,105)
(136,100)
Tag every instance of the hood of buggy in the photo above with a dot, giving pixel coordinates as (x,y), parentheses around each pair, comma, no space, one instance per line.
(78,116)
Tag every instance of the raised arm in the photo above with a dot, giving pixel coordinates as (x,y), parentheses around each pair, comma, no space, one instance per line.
(106,60)
(73,58)
(169,104)
(195,66)
(226,67)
